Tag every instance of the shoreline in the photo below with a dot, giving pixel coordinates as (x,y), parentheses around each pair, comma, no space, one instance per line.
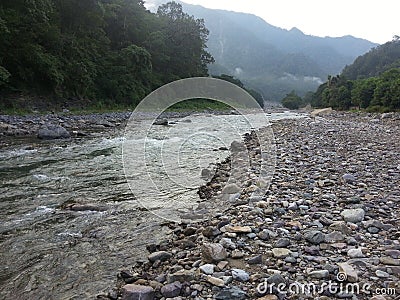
(332,208)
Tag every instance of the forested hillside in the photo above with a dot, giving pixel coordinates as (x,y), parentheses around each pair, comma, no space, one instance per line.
(96,51)
(372,82)
(272,60)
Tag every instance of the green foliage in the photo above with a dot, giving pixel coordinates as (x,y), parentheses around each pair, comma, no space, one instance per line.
(199,104)
(256,95)
(381,93)
(113,52)
(292,101)
(376,61)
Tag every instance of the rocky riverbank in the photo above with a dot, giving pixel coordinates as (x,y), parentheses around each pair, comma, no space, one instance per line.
(328,227)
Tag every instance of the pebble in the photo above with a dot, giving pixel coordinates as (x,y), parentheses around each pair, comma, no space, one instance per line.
(240,275)
(215,281)
(207,269)
(134,292)
(319,274)
(231,293)
(355,253)
(353,215)
(280,252)
(159,255)
(314,237)
(213,253)
(171,290)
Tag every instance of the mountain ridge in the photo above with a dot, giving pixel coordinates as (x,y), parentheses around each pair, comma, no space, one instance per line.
(271,59)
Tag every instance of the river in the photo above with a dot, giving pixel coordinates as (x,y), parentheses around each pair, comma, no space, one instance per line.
(51,252)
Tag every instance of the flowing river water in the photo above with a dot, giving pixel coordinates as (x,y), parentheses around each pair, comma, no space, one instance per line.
(48,251)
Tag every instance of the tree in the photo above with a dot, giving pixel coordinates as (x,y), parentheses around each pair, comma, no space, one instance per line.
(292,101)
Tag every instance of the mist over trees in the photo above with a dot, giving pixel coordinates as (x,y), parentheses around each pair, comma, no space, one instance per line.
(111,51)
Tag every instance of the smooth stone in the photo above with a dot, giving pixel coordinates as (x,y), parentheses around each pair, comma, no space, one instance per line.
(227,243)
(181,276)
(51,132)
(314,237)
(382,274)
(213,253)
(355,253)
(231,293)
(237,254)
(282,243)
(264,235)
(280,252)
(231,189)
(386,260)
(319,274)
(207,269)
(238,229)
(350,272)
(335,236)
(171,290)
(240,275)
(215,281)
(237,146)
(349,178)
(353,215)
(137,292)
(255,260)
(159,255)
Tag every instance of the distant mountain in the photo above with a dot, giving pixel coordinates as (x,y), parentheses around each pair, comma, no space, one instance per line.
(270,59)
(375,62)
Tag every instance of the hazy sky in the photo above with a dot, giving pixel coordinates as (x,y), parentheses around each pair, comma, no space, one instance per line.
(377,21)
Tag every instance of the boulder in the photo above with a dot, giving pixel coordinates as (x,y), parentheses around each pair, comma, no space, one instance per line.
(51,132)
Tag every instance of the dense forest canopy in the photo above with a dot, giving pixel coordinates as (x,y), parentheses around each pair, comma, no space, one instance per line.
(112,51)
(372,82)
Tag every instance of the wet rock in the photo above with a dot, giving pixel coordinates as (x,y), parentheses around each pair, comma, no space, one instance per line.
(353,215)
(171,290)
(231,293)
(162,122)
(213,253)
(231,189)
(50,132)
(237,146)
(159,255)
(137,292)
